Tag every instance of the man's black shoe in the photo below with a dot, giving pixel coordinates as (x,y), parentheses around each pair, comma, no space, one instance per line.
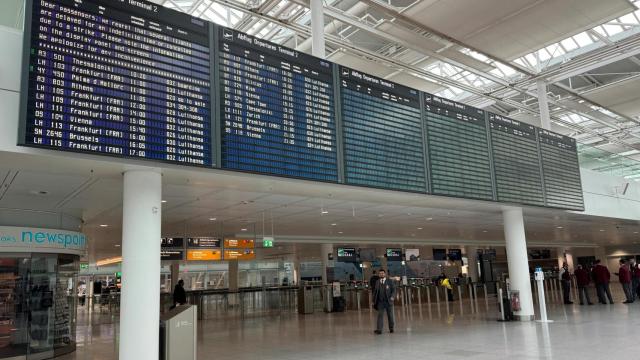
(590,303)
(391,331)
(377,332)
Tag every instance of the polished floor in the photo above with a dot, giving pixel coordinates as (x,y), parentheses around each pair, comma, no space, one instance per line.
(584,332)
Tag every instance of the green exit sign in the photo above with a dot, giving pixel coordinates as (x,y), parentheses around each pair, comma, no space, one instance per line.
(84,266)
(267,242)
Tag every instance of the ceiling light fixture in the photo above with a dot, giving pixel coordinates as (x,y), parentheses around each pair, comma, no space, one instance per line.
(324,211)
(117,245)
(163,201)
(484,231)
(243,229)
(334,224)
(340,232)
(103,225)
(429,219)
(601,230)
(213,219)
(419,228)
(559,227)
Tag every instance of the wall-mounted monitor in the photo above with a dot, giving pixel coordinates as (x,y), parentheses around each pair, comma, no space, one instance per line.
(394,254)
(347,254)
(439,254)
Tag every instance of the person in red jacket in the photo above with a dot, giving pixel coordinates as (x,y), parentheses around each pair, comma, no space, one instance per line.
(624,275)
(602,276)
(583,279)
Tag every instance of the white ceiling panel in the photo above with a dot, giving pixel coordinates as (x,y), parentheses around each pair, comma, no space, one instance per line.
(624,97)
(510,29)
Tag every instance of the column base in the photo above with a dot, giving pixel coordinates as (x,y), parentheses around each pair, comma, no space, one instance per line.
(523,317)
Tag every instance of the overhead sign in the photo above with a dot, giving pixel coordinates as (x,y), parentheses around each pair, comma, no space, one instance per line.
(23,239)
(241,254)
(171,254)
(204,242)
(205,254)
(239,243)
(267,242)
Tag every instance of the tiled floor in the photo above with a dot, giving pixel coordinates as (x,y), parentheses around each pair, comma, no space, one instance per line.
(593,332)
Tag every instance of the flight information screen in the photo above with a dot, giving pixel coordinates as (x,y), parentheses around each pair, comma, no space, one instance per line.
(277,109)
(458,148)
(516,161)
(118,78)
(561,171)
(383,133)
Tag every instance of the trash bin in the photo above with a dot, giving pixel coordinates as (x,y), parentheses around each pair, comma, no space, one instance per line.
(305,300)
(179,333)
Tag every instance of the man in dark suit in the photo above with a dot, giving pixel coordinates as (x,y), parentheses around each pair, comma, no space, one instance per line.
(383,295)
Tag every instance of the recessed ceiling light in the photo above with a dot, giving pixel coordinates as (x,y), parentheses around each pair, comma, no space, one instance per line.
(635,232)
(164,201)
(213,219)
(484,231)
(601,230)
(559,227)
(334,224)
(339,232)
(243,229)
(103,225)
(117,245)
(429,219)
(409,214)
(380,215)
(419,228)
(324,212)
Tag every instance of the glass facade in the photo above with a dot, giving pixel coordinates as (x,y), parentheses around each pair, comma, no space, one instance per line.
(37,305)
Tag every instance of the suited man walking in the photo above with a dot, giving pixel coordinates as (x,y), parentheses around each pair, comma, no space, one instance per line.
(383,296)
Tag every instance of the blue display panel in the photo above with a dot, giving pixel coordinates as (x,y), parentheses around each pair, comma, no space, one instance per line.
(383,133)
(128,79)
(277,108)
(516,161)
(561,171)
(458,144)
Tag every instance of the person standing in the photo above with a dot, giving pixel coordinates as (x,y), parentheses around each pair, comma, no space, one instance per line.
(179,295)
(583,279)
(565,277)
(602,277)
(635,278)
(636,272)
(624,275)
(383,295)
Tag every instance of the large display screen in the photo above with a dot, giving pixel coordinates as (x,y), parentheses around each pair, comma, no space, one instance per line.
(458,149)
(132,79)
(128,79)
(383,134)
(277,109)
(516,161)
(347,254)
(561,171)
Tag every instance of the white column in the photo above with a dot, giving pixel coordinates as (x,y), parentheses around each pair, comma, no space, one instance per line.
(141,231)
(516,244)
(325,250)
(543,104)
(472,258)
(317,28)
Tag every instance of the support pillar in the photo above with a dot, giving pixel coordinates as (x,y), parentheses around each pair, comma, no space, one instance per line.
(472,258)
(234,276)
(141,232)
(543,104)
(175,274)
(516,244)
(317,28)
(325,250)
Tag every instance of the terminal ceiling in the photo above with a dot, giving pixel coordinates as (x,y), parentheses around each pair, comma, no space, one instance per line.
(486,53)
(206,202)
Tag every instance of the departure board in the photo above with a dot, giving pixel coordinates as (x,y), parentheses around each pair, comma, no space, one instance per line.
(458,149)
(383,133)
(277,107)
(122,78)
(561,171)
(516,161)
